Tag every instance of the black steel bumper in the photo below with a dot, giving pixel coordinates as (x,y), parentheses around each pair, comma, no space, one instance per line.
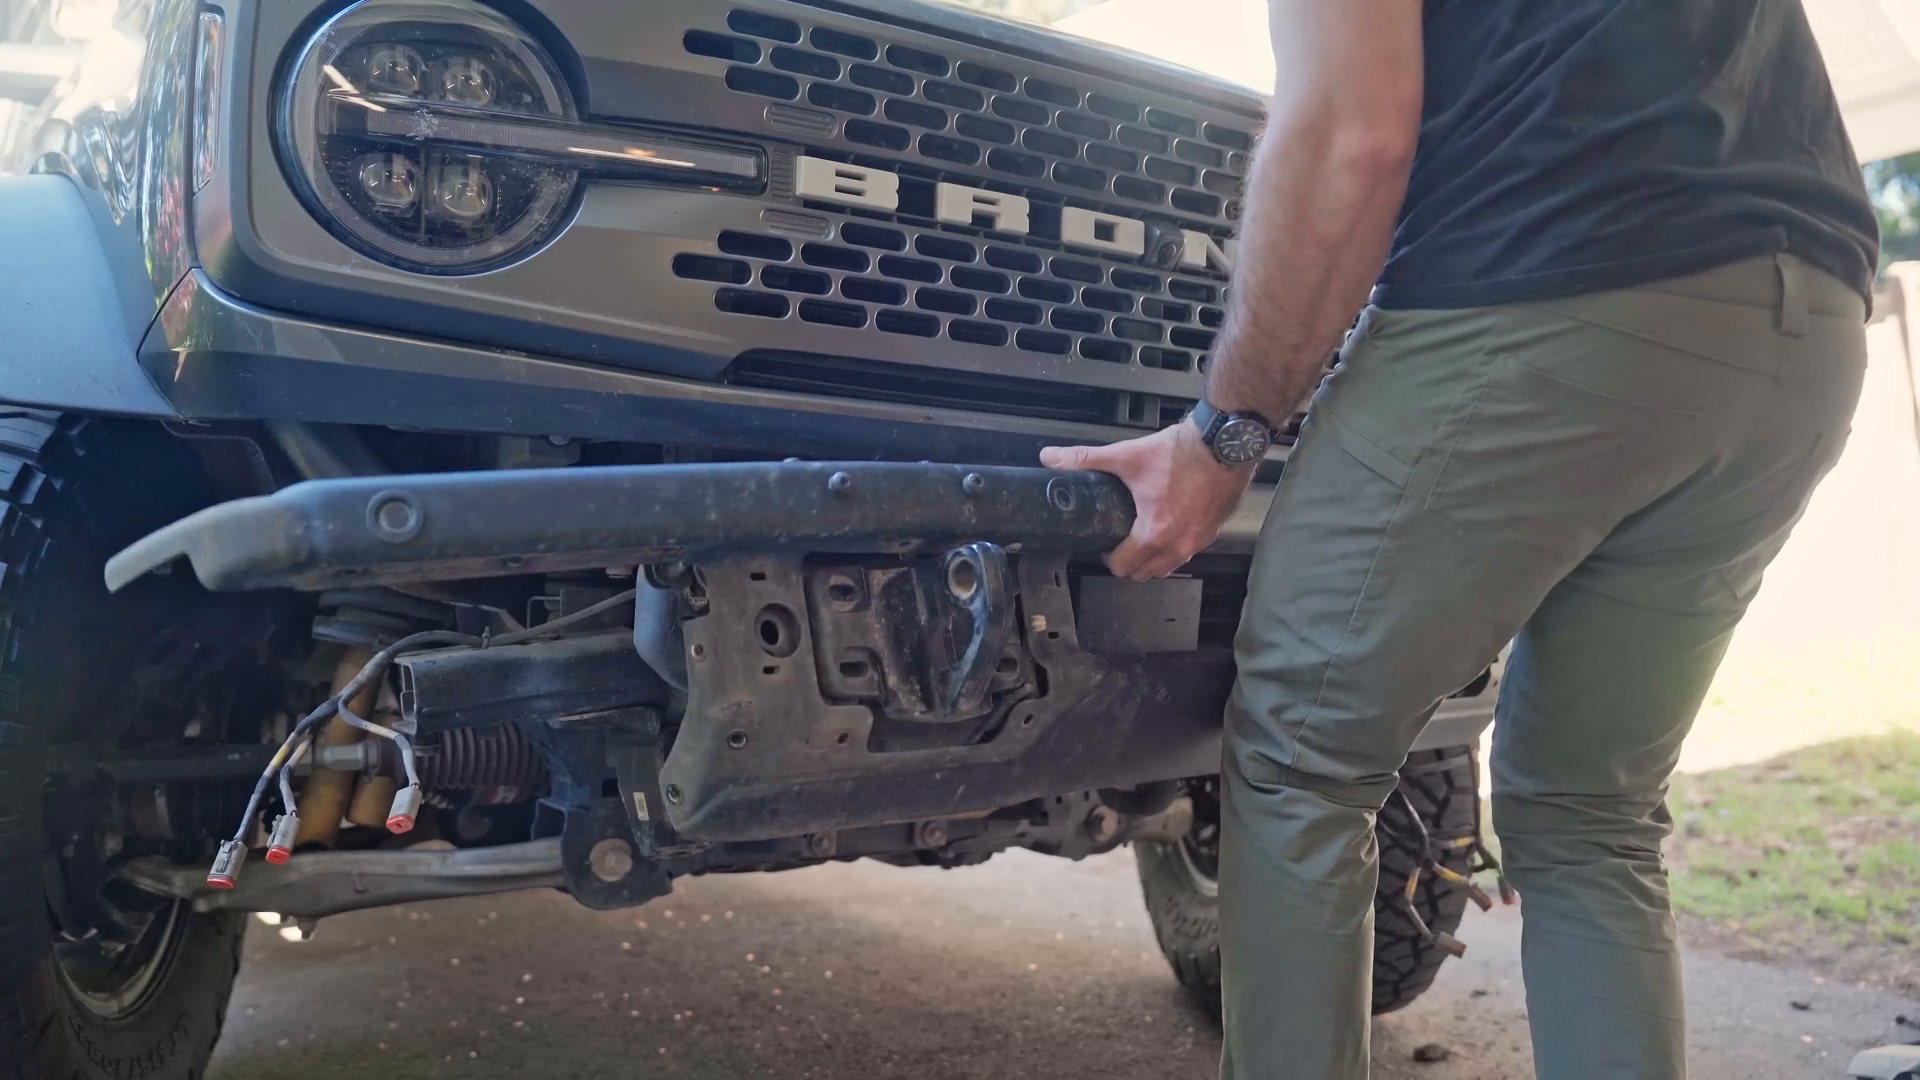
(365,530)
(777,738)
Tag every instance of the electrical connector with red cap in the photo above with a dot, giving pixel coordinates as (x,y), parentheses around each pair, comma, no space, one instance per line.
(226,865)
(406,808)
(280,846)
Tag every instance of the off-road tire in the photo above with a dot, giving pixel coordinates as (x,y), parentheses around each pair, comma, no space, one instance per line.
(1442,786)
(79,665)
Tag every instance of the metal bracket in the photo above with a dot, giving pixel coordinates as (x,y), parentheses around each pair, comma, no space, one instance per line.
(319,883)
(976,579)
(636,758)
(599,863)
(764,751)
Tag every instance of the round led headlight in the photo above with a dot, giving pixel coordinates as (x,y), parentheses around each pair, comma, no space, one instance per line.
(390,125)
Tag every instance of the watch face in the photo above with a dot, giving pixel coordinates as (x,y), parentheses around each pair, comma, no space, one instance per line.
(1241,441)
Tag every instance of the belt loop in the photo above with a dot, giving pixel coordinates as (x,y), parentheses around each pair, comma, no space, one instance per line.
(1794,320)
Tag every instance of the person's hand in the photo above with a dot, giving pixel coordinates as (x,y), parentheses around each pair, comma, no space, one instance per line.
(1181,496)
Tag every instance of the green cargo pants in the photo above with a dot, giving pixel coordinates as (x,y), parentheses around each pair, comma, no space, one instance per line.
(1601,481)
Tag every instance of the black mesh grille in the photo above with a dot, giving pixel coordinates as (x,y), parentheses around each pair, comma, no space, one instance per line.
(1137,151)
(1111,313)
(1038,305)
(930,110)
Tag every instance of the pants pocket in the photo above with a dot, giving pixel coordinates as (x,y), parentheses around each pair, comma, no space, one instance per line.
(1541,456)
(1364,450)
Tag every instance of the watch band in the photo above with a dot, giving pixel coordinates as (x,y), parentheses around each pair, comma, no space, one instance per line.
(1208,419)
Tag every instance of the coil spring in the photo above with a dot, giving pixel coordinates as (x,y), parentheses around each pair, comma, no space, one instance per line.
(499,756)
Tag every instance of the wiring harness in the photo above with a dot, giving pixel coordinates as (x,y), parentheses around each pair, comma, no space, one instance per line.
(1482,860)
(299,742)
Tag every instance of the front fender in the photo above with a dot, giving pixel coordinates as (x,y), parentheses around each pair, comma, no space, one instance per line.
(67,340)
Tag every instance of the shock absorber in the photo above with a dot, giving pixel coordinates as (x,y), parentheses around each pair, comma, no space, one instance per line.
(323,802)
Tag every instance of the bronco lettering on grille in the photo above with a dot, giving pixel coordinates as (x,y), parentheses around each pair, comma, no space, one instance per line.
(878,189)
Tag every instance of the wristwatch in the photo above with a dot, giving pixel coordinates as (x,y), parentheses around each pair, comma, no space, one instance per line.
(1239,438)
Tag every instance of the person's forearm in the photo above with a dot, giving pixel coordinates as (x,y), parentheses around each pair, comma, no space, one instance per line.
(1321,203)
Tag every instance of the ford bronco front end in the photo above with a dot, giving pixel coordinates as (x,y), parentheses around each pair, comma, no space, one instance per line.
(600,437)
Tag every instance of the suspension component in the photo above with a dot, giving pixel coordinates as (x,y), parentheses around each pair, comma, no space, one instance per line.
(371,798)
(483,758)
(324,800)
(374,790)
(339,705)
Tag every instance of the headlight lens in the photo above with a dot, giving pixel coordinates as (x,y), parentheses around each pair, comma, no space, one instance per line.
(391,182)
(463,80)
(358,119)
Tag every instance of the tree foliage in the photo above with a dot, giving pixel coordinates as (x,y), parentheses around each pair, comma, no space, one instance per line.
(1895,187)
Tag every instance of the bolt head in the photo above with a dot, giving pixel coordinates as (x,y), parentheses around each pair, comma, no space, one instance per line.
(973,483)
(1103,824)
(840,482)
(611,859)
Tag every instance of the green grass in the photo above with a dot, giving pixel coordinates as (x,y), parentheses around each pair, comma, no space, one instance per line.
(1816,848)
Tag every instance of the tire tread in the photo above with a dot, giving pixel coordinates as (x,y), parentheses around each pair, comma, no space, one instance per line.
(1443,786)
(45,460)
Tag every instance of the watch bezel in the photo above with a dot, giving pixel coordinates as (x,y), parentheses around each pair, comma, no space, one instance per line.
(1263,442)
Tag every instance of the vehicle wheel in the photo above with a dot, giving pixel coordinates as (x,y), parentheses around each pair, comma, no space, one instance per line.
(1182,896)
(100,980)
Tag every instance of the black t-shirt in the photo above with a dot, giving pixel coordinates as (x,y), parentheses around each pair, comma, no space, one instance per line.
(1571,146)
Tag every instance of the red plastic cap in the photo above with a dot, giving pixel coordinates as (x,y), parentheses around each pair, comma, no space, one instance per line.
(400,823)
(278,856)
(219,881)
